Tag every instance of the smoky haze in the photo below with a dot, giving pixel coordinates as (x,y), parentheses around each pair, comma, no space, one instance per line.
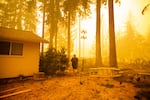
(132,31)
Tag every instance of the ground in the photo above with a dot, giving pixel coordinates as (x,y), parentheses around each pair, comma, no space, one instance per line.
(74,87)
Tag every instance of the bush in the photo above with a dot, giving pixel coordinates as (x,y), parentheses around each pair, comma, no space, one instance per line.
(53,61)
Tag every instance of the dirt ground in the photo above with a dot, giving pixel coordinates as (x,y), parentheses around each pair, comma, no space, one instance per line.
(80,87)
(75,87)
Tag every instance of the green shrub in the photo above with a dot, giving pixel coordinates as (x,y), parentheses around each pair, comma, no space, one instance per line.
(53,61)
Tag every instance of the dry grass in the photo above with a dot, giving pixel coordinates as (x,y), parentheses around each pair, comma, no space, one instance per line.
(70,88)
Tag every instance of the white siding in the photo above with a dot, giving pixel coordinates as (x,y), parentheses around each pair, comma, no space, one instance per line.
(13,66)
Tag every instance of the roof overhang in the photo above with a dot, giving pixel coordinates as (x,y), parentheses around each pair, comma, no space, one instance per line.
(19,35)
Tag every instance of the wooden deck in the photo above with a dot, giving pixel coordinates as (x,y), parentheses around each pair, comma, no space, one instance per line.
(104,72)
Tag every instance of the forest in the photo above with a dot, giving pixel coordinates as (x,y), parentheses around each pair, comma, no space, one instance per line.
(61,22)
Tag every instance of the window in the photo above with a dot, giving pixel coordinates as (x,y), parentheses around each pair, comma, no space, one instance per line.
(17,49)
(4,48)
(11,48)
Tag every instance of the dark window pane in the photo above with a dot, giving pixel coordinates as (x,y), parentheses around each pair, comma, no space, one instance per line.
(17,49)
(4,48)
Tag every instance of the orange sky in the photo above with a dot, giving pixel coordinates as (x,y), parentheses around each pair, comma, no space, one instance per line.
(121,13)
(135,7)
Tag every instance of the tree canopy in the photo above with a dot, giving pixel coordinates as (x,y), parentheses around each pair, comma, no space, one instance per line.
(18,14)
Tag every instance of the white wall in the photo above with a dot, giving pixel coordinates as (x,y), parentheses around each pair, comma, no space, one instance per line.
(27,64)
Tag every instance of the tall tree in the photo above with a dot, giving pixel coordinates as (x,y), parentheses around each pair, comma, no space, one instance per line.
(71,8)
(98,37)
(52,18)
(98,29)
(52,22)
(56,21)
(43,26)
(112,44)
(63,11)
(30,17)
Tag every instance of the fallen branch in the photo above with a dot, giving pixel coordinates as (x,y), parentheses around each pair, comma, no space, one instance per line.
(11,89)
(15,93)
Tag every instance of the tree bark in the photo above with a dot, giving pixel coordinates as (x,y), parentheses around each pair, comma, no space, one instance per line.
(52,24)
(43,26)
(112,45)
(69,35)
(98,37)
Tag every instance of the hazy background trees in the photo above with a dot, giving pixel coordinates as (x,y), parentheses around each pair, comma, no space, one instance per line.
(18,14)
(132,45)
(61,18)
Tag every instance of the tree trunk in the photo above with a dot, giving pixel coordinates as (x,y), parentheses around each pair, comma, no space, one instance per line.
(98,39)
(112,45)
(56,22)
(69,35)
(43,26)
(52,24)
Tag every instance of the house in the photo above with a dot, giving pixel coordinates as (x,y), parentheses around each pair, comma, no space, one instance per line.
(19,53)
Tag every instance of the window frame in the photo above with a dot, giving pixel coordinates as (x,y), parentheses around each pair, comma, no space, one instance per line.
(6,45)
(20,49)
(10,48)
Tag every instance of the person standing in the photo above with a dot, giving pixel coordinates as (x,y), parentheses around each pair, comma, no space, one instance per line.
(74,61)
